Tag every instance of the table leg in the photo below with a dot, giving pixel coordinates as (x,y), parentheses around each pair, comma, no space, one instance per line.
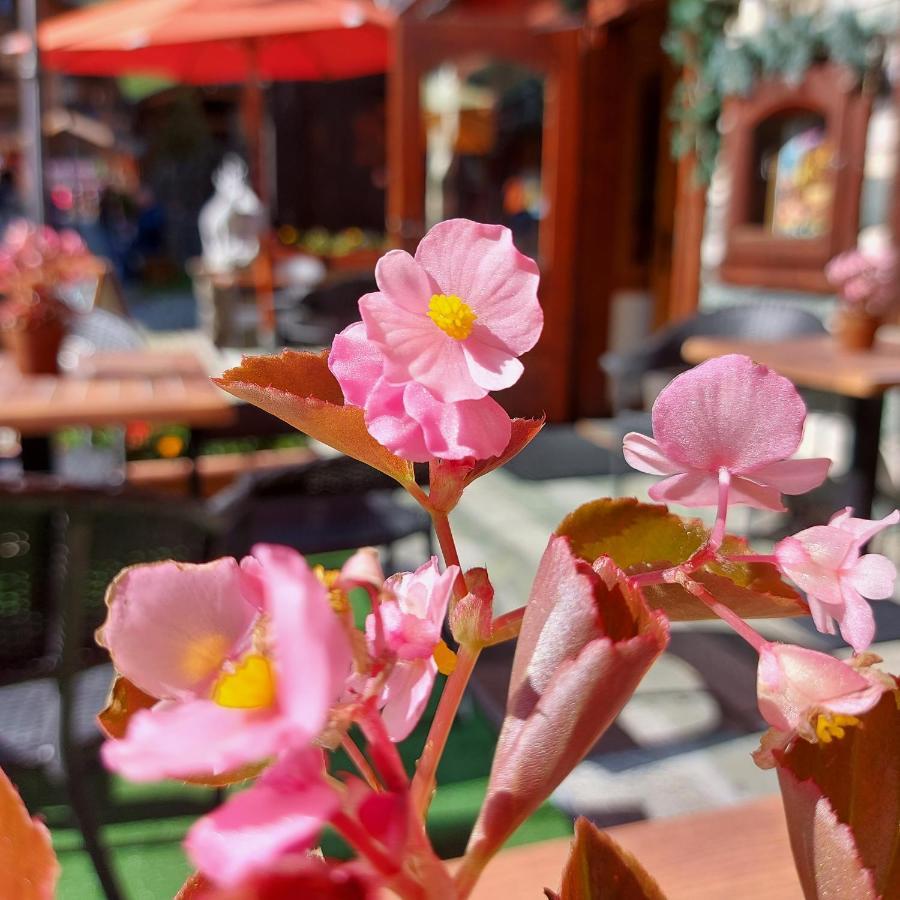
(866,415)
(37,454)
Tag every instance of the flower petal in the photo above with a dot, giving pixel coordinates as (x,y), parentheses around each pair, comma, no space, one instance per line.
(493,368)
(356,362)
(311,650)
(197,737)
(644,454)
(480,264)
(862,530)
(874,576)
(405,281)
(405,696)
(688,488)
(388,421)
(284,811)
(857,621)
(793,476)
(728,412)
(171,626)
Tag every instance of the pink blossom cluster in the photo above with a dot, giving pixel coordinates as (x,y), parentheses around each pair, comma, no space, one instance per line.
(256,666)
(444,329)
(259,669)
(866,280)
(33,256)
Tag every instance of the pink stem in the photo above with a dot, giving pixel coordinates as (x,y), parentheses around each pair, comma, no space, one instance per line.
(754,558)
(448,548)
(424,780)
(645,579)
(383,752)
(506,627)
(361,763)
(718,532)
(750,635)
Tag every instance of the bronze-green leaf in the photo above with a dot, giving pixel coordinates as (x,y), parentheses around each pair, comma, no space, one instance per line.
(599,869)
(640,536)
(298,388)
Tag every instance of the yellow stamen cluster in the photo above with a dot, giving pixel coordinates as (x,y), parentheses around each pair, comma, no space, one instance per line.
(250,686)
(830,727)
(338,598)
(453,316)
(445,658)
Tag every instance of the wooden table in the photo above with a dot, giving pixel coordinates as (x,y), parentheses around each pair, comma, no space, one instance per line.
(109,389)
(737,853)
(820,363)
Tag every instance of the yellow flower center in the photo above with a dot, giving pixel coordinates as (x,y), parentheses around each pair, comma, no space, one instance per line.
(338,599)
(250,686)
(453,316)
(445,658)
(830,727)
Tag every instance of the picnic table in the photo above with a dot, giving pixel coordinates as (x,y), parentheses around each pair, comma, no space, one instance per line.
(109,388)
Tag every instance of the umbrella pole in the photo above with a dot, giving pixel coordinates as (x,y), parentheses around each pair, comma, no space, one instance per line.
(252,101)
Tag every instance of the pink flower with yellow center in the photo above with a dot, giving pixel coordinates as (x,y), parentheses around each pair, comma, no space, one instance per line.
(455,317)
(825,561)
(246,660)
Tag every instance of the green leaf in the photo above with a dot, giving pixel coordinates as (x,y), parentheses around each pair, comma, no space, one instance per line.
(599,869)
(640,536)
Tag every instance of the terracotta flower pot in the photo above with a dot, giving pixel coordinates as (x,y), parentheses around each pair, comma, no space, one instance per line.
(855,330)
(35,348)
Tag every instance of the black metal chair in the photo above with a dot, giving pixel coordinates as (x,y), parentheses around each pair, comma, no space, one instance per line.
(59,548)
(328,504)
(324,312)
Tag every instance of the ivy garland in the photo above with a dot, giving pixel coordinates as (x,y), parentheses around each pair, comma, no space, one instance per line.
(715,65)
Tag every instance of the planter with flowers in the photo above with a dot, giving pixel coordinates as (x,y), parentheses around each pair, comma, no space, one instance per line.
(35,261)
(868,292)
(257,670)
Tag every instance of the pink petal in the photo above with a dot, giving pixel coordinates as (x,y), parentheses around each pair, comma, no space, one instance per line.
(469,428)
(793,683)
(480,264)
(405,281)
(823,614)
(874,576)
(857,621)
(689,488)
(356,362)
(793,476)
(405,696)
(862,530)
(415,349)
(746,492)
(426,592)
(363,569)
(284,811)
(388,421)
(171,626)
(310,648)
(821,582)
(643,453)
(728,412)
(493,368)
(198,737)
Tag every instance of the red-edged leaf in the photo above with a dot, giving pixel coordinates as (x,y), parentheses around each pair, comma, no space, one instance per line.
(449,478)
(584,646)
(826,855)
(640,536)
(298,388)
(28,866)
(599,869)
(858,776)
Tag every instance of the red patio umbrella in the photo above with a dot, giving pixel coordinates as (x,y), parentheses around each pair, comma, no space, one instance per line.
(222,42)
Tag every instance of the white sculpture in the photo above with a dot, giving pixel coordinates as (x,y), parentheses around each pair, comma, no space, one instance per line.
(232,220)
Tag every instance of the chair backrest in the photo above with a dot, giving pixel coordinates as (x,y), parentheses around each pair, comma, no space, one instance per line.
(60,546)
(104,330)
(326,311)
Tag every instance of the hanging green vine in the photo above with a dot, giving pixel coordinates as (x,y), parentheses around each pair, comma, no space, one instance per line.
(715,65)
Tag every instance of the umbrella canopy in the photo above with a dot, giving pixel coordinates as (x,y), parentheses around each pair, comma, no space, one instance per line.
(220,41)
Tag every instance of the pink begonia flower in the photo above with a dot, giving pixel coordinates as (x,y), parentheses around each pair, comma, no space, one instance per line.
(246,662)
(825,562)
(455,317)
(408,419)
(283,811)
(812,695)
(411,611)
(727,413)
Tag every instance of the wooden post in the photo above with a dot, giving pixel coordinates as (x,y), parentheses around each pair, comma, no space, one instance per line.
(690,215)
